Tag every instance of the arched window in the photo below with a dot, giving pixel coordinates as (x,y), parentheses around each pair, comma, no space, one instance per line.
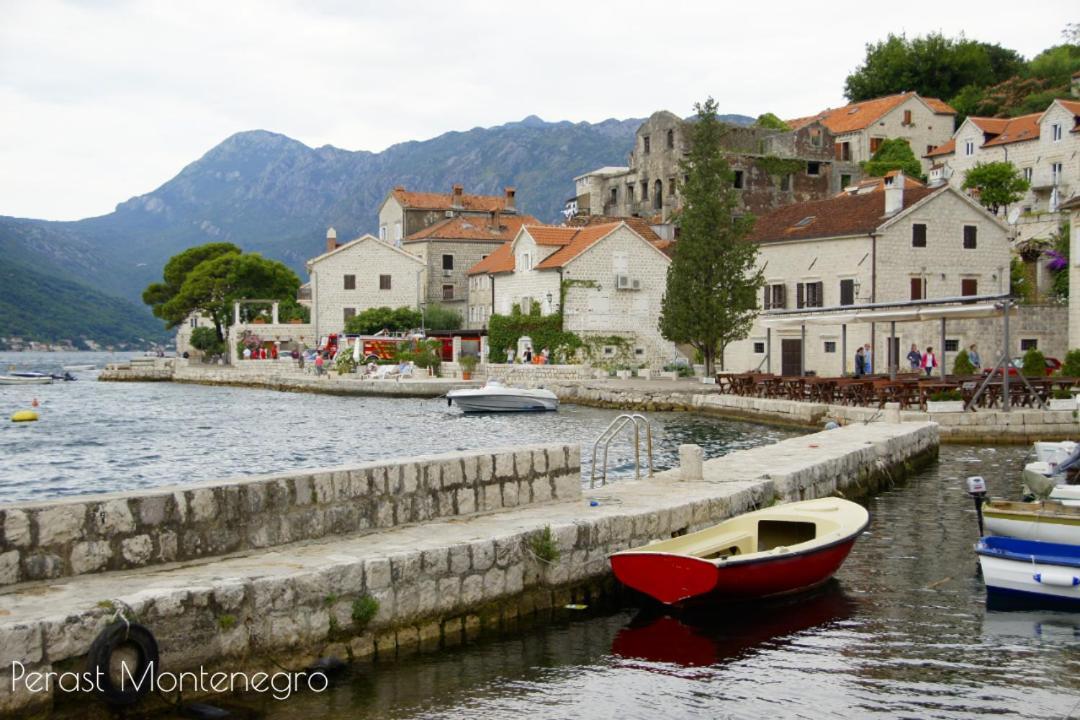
(671,139)
(658,195)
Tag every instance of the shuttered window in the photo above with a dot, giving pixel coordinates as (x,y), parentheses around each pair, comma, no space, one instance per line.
(350,282)
(918,235)
(970,237)
(847,292)
(917,289)
(384,282)
(969,286)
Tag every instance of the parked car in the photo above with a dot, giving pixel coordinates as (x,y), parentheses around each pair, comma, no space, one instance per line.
(1017,363)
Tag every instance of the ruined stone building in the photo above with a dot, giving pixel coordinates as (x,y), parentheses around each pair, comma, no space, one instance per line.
(771,168)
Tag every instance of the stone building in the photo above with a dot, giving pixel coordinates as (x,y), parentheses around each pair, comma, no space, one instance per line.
(404,213)
(859,129)
(874,247)
(364,273)
(771,168)
(606,279)
(453,245)
(1044,147)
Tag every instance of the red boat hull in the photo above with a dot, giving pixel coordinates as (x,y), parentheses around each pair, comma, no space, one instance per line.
(675,579)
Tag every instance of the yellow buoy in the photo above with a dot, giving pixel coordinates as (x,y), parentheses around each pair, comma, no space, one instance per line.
(24,416)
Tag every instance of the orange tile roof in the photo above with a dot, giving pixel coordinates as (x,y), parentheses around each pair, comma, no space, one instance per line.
(1072,106)
(473,228)
(1018,129)
(877,184)
(548,235)
(445,201)
(991,125)
(946,148)
(500,261)
(860,115)
(840,216)
(638,224)
(584,238)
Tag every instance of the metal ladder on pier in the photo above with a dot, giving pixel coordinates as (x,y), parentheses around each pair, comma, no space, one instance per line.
(638,421)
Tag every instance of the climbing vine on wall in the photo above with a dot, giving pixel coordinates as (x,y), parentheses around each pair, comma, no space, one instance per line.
(778,167)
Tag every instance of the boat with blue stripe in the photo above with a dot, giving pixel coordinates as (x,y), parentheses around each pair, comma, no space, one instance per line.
(1044,573)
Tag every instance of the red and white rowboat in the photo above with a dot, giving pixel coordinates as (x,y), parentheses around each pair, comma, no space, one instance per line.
(776,551)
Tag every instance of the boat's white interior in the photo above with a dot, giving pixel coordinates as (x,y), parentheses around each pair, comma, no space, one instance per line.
(783,526)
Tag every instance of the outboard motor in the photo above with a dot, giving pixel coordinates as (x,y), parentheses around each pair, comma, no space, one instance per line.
(976,488)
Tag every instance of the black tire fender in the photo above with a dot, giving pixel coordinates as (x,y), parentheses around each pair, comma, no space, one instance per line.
(130,687)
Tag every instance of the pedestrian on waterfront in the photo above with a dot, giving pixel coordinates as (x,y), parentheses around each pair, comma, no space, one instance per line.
(247,353)
(546,355)
(526,357)
(300,361)
(973,356)
(929,361)
(859,361)
(868,360)
(914,357)
(319,362)
(509,356)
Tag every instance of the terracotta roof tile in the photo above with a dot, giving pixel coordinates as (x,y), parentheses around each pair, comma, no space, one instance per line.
(946,148)
(473,228)
(835,217)
(549,235)
(582,240)
(990,125)
(639,225)
(1018,129)
(1072,106)
(860,115)
(499,261)
(445,201)
(876,184)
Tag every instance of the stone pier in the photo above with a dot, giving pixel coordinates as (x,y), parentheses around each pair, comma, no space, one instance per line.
(376,560)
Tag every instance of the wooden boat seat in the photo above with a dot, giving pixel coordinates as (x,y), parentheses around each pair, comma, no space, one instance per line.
(727,544)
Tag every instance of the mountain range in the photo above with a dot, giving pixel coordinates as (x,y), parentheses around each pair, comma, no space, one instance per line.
(271,194)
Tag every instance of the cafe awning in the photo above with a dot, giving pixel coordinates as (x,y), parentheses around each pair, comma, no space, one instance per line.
(913,313)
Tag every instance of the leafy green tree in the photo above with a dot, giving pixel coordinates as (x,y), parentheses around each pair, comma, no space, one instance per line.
(205,340)
(440,318)
(1070,366)
(962,365)
(1019,286)
(932,65)
(894,154)
(373,320)
(210,278)
(999,184)
(1034,363)
(712,281)
(771,121)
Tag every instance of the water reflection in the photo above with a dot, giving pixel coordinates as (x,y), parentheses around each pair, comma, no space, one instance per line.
(702,638)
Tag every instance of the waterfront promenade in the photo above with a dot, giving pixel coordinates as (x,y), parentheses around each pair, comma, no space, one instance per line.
(572,384)
(455,546)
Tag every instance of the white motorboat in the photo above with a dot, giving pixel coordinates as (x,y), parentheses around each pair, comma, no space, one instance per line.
(496,397)
(33,380)
(1044,520)
(1051,467)
(80,368)
(1043,572)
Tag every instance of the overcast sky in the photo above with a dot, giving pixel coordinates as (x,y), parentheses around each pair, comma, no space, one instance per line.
(101,101)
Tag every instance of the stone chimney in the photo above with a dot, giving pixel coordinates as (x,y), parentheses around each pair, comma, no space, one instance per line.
(456,196)
(510,193)
(894,192)
(399,188)
(331,240)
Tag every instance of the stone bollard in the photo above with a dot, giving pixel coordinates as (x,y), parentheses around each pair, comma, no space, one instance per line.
(892,412)
(690,459)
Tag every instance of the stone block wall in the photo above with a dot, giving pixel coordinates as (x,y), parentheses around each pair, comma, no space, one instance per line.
(91,534)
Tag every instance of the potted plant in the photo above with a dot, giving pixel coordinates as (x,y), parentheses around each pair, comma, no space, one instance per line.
(468,365)
(945,401)
(1062,399)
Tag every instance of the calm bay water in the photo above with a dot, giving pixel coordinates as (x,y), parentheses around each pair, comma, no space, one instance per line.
(99,437)
(902,633)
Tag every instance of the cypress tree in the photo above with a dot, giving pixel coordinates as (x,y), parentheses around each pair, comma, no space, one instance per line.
(713,280)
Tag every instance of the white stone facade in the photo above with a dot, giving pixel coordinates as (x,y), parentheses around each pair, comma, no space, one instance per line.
(913,120)
(382,275)
(882,266)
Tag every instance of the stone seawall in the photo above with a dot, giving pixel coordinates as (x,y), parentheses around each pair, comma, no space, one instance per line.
(431,585)
(44,541)
(984,426)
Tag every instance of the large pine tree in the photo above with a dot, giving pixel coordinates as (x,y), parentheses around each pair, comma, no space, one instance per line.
(713,281)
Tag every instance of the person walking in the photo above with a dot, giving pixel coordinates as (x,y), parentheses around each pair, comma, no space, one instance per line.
(859,366)
(319,362)
(914,357)
(527,355)
(509,356)
(929,361)
(973,356)
(868,362)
